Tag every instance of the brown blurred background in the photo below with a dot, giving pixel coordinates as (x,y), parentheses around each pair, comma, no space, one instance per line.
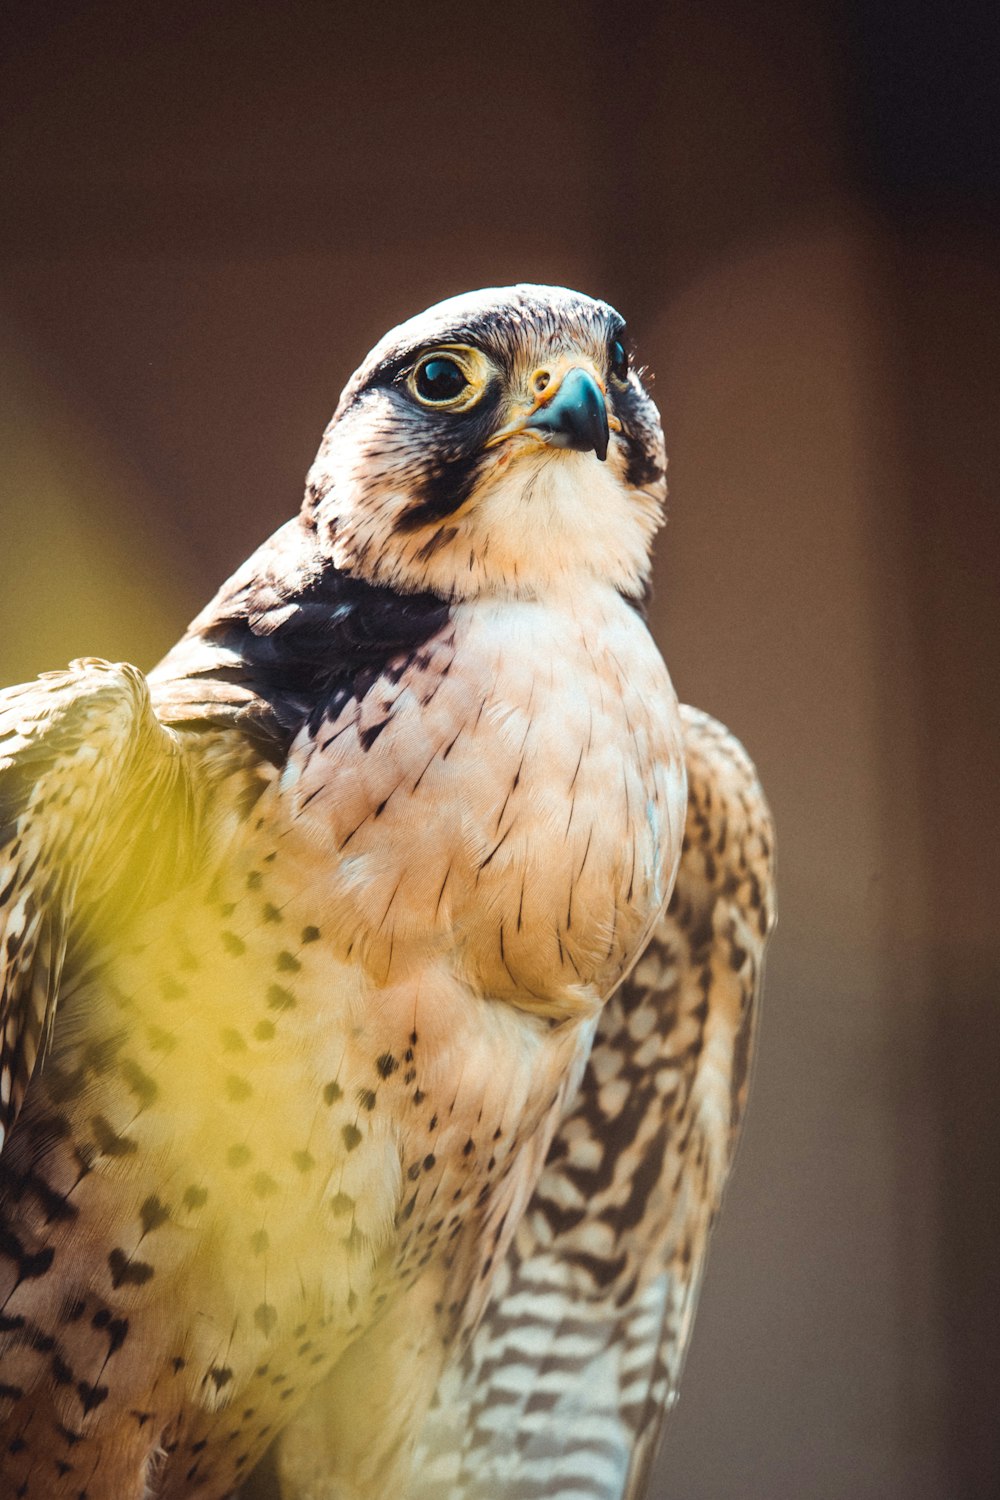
(208,214)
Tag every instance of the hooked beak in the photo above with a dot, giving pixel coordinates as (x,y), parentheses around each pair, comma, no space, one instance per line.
(569,411)
(575,416)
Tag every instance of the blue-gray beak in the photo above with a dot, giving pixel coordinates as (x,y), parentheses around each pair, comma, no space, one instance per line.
(575,417)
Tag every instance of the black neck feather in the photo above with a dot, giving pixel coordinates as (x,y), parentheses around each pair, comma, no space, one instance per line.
(287,641)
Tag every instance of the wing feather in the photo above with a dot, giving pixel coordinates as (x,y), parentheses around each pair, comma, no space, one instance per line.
(94,808)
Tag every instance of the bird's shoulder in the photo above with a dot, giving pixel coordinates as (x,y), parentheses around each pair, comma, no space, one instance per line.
(287,638)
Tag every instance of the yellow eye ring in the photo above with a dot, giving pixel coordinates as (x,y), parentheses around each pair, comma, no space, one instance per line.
(451,378)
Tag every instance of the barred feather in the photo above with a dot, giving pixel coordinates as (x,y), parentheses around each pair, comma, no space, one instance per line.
(565,1386)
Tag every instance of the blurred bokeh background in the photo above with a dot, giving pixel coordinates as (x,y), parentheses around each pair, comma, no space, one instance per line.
(209,211)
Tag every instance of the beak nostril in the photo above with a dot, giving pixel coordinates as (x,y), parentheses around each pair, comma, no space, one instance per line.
(541,380)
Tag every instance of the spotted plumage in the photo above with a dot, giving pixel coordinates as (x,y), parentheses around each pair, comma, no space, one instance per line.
(306,935)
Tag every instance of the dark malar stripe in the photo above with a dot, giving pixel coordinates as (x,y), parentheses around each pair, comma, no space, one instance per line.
(453,457)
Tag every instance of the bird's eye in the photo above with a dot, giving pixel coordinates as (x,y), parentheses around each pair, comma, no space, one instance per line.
(439,380)
(618,360)
(450,378)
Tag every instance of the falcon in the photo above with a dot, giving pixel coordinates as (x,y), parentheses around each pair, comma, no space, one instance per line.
(305,936)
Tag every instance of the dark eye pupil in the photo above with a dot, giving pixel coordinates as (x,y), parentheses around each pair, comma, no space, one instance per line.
(618,360)
(441,379)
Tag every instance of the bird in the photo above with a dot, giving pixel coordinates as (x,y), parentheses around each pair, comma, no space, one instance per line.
(306,933)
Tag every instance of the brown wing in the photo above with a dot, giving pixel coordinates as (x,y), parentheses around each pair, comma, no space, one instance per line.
(565,1386)
(94,808)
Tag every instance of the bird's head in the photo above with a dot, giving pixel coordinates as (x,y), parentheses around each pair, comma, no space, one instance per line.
(499,443)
